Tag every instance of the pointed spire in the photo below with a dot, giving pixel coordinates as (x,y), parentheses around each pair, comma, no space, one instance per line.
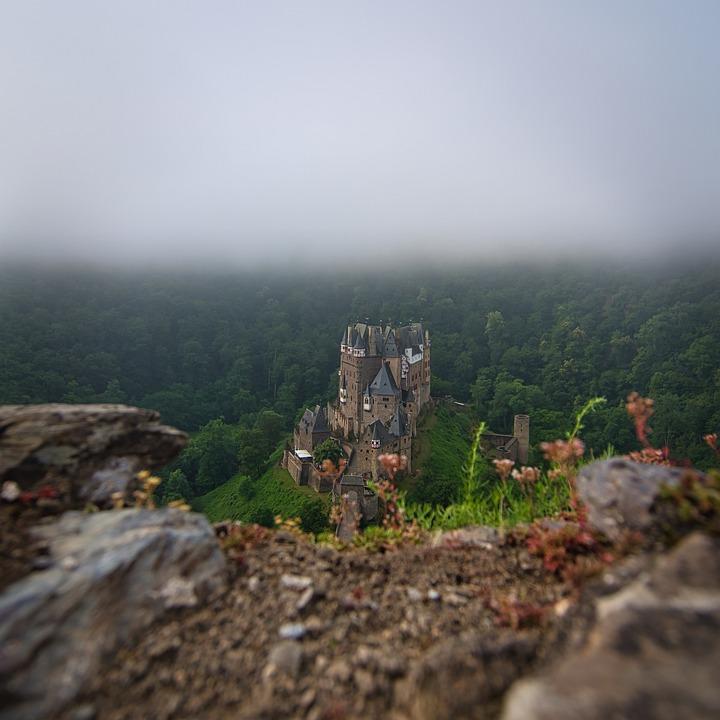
(391,349)
(384,382)
(377,437)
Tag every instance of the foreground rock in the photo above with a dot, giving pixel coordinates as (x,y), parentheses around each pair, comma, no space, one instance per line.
(111,575)
(374,621)
(86,452)
(461,677)
(620,494)
(652,653)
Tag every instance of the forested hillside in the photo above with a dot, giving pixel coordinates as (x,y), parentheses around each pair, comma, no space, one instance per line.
(514,339)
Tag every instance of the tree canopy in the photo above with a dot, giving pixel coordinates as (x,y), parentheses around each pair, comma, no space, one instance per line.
(234,358)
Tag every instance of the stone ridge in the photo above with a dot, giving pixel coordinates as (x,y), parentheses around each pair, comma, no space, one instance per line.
(86,452)
(110,575)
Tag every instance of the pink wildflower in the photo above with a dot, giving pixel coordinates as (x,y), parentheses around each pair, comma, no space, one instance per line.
(503,468)
(526,476)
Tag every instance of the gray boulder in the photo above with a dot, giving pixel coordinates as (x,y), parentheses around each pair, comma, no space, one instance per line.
(620,494)
(653,651)
(87,452)
(111,575)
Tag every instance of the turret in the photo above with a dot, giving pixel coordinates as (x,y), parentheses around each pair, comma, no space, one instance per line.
(359,348)
(521,430)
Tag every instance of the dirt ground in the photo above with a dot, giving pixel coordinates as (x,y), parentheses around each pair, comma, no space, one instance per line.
(307,631)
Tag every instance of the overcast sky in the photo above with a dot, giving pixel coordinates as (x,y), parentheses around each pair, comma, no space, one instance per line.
(235,132)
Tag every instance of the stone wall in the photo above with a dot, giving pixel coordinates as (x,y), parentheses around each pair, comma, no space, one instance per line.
(296,467)
(320,482)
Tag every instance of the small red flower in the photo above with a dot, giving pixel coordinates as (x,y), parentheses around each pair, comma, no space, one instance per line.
(48,492)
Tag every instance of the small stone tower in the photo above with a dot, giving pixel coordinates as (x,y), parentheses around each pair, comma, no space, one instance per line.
(521,430)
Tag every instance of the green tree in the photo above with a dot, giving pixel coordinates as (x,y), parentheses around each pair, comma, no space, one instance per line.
(252,452)
(263,515)
(328,450)
(216,446)
(176,487)
(313,516)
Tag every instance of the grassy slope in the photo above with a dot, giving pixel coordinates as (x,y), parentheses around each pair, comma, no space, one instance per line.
(275,490)
(439,452)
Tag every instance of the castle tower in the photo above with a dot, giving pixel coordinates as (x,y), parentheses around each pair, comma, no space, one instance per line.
(391,355)
(426,369)
(521,430)
(381,368)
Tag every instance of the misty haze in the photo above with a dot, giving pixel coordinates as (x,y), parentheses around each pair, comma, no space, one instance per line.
(359,360)
(174,133)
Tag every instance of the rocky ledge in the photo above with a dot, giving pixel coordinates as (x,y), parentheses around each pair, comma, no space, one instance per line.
(146,613)
(82,453)
(108,576)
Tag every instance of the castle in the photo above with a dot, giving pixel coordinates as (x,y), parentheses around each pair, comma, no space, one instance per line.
(383,384)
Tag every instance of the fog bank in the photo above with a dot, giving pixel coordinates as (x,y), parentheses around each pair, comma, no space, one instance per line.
(276,134)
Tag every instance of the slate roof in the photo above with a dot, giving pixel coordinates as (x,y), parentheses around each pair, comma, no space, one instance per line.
(411,335)
(379,432)
(321,423)
(359,343)
(398,424)
(391,348)
(384,383)
(315,420)
(352,480)
(375,341)
(378,341)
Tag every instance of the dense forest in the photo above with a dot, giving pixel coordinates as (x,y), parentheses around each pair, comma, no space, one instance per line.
(234,358)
